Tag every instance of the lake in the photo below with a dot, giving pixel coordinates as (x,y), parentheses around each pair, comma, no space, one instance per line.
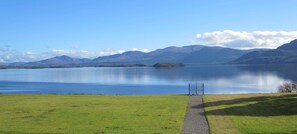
(218,79)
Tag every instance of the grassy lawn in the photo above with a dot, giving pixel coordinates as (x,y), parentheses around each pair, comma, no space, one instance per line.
(91,114)
(253,113)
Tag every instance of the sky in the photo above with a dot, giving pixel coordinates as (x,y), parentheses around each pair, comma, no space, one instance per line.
(37,29)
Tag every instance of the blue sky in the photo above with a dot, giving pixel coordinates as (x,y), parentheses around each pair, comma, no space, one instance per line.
(40,26)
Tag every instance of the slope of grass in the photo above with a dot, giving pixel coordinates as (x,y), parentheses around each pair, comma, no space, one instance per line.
(91,114)
(252,113)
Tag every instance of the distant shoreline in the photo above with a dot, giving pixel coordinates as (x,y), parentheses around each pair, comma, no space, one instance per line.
(161,64)
(70,66)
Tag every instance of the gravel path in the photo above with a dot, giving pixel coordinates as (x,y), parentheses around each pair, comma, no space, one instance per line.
(195,121)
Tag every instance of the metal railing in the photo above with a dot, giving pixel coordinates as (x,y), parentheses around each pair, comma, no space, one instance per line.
(196,88)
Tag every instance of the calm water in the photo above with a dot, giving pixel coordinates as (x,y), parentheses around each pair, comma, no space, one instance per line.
(218,79)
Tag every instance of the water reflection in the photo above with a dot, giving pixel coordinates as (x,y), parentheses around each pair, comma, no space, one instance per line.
(287,72)
(147,80)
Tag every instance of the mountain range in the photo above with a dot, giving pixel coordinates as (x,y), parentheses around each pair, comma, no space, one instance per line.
(194,54)
(285,54)
(188,54)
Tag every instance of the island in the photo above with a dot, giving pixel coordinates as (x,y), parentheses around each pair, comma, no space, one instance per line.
(168,64)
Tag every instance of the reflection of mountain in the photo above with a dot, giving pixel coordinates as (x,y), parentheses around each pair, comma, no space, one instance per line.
(197,73)
(188,73)
(215,72)
(284,71)
(218,78)
(185,74)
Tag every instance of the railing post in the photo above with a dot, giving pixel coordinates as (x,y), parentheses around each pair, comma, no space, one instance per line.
(196,89)
(189,87)
(203,88)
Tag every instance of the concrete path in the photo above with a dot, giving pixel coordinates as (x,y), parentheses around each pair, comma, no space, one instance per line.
(195,121)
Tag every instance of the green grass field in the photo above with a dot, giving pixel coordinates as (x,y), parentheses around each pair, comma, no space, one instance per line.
(252,113)
(91,114)
(164,114)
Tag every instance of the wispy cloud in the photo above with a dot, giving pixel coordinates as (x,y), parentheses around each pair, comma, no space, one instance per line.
(226,38)
(12,56)
(246,40)
(4,49)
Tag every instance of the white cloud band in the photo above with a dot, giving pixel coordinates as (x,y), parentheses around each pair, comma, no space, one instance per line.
(12,56)
(246,40)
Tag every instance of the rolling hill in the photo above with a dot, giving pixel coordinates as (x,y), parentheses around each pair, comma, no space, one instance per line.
(285,54)
(188,54)
(57,61)
(194,54)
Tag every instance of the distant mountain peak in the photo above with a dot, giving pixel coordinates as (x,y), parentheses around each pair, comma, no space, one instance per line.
(62,57)
(289,46)
(285,54)
(133,52)
(186,54)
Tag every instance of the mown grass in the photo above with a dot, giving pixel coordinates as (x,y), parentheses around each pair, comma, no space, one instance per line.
(91,114)
(252,113)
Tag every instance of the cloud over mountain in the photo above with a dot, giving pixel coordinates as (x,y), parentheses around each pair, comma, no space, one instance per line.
(226,38)
(8,56)
(245,40)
